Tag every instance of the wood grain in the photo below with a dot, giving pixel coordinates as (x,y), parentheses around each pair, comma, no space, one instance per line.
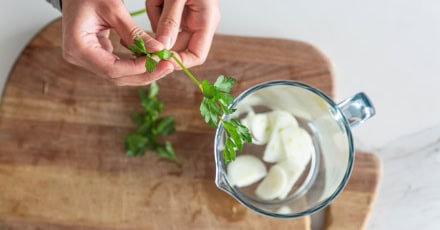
(62,163)
(351,209)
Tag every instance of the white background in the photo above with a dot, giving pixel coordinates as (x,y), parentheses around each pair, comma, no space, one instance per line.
(387,48)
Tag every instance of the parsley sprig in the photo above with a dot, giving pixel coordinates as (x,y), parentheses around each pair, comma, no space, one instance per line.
(216,99)
(150,127)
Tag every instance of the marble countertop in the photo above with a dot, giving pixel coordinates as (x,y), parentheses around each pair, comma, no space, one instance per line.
(388,49)
(409,193)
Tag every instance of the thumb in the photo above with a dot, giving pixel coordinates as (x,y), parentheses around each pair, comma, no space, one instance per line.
(169,22)
(127,31)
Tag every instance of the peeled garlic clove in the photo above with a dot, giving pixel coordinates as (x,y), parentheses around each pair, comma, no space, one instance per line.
(273,184)
(259,129)
(274,150)
(258,126)
(297,144)
(293,170)
(245,170)
(247,121)
(246,105)
(279,119)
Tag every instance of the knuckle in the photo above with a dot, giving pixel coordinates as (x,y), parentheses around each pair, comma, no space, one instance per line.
(135,31)
(152,45)
(200,60)
(116,82)
(169,22)
(111,73)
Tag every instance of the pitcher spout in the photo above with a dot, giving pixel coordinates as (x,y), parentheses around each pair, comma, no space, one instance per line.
(220,182)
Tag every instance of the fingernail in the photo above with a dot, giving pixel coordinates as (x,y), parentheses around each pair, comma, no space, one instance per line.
(165,40)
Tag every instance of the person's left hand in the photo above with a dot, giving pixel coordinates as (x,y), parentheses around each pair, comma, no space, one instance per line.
(86,43)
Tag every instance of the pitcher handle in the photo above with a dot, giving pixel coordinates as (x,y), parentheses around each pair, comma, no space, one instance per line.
(357,109)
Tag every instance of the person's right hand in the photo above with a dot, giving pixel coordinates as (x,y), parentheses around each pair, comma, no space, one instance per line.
(86,43)
(186,27)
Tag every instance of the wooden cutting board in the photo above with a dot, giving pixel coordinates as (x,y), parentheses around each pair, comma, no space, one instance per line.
(62,162)
(351,209)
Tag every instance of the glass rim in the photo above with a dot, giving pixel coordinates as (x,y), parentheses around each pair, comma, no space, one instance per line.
(347,128)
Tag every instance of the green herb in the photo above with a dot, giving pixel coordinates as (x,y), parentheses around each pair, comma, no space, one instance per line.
(216,100)
(138,50)
(138,12)
(150,127)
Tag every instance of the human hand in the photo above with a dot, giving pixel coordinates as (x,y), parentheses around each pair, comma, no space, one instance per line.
(86,43)
(185,26)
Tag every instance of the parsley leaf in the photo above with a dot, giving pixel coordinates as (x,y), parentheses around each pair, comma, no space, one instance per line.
(154,90)
(164,126)
(136,118)
(225,100)
(210,111)
(242,130)
(208,90)
(228,152)
(224,83)
(216,102)
(166,151)
(232,131)
(164,54)
(135,50)
(135,144)
(139,42)
(150,127)
(150,64)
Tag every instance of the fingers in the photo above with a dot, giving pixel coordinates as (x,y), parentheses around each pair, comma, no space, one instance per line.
(123,71)
(193,46)
(154,10)
(199,22)
(166,16)
(91,53)
(95,57)
(106,64)
(128,31)
(144,79)
(86,43)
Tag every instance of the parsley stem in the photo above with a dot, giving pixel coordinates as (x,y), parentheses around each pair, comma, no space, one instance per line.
(188,73)
(137,12)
